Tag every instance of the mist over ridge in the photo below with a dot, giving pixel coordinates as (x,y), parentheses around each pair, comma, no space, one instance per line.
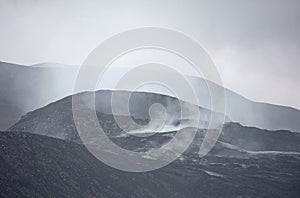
(26,88)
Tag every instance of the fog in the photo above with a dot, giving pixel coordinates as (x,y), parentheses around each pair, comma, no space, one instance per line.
(255,44)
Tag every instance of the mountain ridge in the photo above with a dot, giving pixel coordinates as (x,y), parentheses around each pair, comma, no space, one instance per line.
(56,120)
(39,86)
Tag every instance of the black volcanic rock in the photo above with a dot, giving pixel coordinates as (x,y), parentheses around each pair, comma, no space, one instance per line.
(38,166)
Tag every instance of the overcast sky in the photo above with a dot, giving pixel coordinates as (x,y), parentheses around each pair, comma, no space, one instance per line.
(255,44)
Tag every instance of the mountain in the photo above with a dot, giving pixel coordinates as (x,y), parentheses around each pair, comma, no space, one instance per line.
(56,120)
(26,88)
(39,166)
(250,113)
(43,156)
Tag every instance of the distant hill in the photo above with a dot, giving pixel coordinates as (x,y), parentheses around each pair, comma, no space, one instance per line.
(26,88)
(250,113)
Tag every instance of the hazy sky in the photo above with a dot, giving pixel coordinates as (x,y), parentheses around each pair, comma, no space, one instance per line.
(255,44)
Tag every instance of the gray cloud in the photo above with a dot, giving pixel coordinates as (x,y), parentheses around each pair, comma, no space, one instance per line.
(255,44)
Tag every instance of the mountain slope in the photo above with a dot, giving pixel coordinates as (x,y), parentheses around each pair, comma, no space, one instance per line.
(38,166)
(250,113)
(26,88)
(56,120)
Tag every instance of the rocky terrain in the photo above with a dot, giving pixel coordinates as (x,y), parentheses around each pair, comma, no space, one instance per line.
(39,166)
(56,120)
(42,155)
